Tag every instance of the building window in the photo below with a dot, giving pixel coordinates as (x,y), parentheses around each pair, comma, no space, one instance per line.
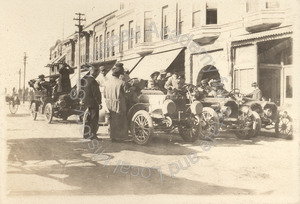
(112,43)
(196,15)
(180,22)
(147,26)
(96,47)
(211,13)
(164,22)
(121,40)
(122,6)
(101,47)
(272,4)
(137,34)
(131,35)
(107,44)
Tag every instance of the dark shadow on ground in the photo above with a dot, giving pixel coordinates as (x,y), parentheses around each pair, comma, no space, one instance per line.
(94,178)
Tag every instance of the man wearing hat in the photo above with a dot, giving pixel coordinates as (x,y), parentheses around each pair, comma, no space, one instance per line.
(153,82)
(255,94)
(92,101)
(64,83)
(39,82)
(175,82)
(115,98)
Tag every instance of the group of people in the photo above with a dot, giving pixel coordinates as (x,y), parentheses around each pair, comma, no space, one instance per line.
(56,86)
(215,88)
(118,92)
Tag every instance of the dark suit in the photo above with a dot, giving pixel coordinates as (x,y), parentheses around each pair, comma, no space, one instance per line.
(64,83)
(91,100)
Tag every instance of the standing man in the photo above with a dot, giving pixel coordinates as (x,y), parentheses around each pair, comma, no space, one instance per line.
(115,97)
(92,100)
(255,94)
(64,83)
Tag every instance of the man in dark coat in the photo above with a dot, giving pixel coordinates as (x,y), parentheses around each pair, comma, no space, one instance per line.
(64,83)
(92,100)
(115,97)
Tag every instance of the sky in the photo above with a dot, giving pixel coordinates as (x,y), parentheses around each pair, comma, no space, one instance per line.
(33,26)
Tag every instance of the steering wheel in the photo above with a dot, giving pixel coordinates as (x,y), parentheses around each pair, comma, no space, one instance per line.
(236,93)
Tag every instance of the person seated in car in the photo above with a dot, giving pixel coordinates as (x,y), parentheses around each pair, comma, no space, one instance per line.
(153,83)
(40,83)
(204,88)
(175,83)
(162,79)
(124,76)
(255,94)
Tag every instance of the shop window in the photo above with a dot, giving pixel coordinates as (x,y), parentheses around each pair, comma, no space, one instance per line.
(147,26)
(289,87)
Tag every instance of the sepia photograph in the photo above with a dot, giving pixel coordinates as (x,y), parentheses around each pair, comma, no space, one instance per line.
(162,101)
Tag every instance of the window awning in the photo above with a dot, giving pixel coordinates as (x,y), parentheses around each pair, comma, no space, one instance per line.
(56,60)
(154,62)
(128,65)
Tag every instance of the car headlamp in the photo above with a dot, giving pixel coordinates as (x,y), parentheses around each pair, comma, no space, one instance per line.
(169,107)
(196,107)
(268,112)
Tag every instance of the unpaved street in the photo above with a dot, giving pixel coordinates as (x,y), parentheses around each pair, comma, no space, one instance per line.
(52,159)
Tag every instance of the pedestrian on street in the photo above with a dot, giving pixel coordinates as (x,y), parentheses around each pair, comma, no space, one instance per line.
(115,97)
(92,101)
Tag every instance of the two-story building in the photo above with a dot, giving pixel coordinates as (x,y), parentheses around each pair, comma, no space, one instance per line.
(241,41)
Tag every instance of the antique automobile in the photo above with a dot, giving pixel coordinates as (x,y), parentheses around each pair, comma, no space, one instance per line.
(13,103)
(272,117)
(231,113)
(47,102)
(156,111)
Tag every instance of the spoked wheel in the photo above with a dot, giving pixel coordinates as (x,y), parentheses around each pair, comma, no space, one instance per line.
(33,111)
(141,127)
(13,107)
(250,127)
(48,112)
(191,132)
(284,127)
(210,123)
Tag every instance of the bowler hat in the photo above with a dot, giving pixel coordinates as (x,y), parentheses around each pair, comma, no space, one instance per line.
(119,65)
(41,76)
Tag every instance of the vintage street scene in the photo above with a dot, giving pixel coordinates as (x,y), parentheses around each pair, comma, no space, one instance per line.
(150,101)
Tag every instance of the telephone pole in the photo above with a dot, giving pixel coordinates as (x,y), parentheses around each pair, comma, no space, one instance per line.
(25,59)
(80,27)
(19,79)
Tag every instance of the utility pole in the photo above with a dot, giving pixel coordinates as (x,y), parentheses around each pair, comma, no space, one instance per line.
(19,79)
(80,27)
(25,58)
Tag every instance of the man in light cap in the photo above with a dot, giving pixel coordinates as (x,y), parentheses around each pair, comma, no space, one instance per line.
(255,94)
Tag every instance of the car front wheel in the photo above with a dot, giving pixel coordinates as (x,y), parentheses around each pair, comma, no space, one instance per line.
(141,127)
